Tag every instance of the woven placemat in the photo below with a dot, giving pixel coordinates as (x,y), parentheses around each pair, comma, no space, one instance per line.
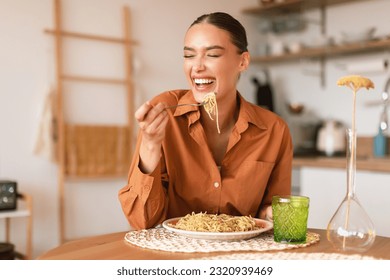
(288,256)
(164,240)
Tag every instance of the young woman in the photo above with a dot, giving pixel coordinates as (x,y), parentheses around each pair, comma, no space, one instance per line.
(182,163)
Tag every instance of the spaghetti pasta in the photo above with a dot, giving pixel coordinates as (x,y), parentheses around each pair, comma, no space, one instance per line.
(210,105)
(215,223)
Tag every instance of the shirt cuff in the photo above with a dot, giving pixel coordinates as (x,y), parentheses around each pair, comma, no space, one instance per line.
(142,183)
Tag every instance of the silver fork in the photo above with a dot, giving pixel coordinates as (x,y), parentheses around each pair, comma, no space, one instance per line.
(188,104)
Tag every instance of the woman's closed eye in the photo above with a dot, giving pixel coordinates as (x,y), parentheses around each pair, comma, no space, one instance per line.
(213,55)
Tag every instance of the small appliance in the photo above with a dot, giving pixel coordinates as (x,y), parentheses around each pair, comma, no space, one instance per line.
(8,195)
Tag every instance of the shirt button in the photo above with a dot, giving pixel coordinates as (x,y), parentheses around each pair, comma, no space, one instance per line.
(216,184)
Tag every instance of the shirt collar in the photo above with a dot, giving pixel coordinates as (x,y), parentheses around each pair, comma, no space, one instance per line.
(248,114)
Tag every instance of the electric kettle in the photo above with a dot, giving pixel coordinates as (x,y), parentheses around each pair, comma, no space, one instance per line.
(331,138)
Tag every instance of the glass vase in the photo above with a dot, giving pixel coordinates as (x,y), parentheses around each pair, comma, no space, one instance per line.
(350,228)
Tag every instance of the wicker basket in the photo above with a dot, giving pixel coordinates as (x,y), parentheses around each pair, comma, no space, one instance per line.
(94,151)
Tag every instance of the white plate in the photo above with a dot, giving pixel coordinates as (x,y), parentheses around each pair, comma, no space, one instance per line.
(240,235)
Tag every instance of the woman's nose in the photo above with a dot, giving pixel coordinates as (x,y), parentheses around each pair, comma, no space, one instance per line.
(199,64)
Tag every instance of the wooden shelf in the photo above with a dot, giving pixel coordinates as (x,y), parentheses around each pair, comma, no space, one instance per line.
(90,37)
(293,6)
(93,79)
(22,211)
(80,178)
(329,51)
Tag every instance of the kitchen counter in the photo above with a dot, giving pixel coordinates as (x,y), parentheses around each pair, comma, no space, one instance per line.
(362,163)
(364,158)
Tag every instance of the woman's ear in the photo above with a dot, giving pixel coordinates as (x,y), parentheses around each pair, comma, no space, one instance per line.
(245,60)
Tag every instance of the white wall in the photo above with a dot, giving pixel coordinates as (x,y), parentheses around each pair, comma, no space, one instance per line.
(26,70)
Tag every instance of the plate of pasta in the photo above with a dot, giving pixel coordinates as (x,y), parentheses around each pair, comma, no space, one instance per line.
(217,227)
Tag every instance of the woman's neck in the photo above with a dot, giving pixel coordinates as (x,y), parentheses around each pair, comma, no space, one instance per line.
(228,109)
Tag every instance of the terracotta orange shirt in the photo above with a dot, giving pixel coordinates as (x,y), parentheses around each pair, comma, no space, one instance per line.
(256,166)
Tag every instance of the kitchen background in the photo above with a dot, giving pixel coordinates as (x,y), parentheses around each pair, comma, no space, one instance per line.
(27,72)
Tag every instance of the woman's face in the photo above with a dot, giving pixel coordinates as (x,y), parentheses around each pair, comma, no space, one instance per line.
(212,62)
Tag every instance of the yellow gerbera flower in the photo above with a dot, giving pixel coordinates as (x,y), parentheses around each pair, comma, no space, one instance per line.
(355,82)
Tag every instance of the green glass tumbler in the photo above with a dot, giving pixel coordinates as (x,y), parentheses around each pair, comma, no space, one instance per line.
(290,213)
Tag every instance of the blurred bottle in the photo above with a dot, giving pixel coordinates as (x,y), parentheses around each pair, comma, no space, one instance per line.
(380,144)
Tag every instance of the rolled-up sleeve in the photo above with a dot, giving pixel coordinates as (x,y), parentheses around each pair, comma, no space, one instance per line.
(143,199)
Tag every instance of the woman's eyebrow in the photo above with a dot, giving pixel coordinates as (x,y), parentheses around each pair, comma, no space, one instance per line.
(208,48)
(215,47)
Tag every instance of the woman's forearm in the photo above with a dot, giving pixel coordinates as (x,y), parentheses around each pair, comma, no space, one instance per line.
(149,154)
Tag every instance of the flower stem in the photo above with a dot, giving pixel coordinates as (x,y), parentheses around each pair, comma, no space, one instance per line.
(351,166)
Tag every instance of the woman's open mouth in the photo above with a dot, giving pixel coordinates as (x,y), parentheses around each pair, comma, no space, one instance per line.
(203,84)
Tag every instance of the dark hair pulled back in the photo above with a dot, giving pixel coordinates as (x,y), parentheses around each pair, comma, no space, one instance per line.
(228,23)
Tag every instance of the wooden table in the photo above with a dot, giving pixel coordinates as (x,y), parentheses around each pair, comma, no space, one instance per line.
(114,247)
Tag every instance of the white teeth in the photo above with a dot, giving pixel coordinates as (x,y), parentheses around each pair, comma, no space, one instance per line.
(203,81)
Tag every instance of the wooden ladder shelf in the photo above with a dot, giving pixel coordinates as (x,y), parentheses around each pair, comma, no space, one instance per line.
(68,134)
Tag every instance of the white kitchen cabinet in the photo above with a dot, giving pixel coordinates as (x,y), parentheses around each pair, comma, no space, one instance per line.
(326,188)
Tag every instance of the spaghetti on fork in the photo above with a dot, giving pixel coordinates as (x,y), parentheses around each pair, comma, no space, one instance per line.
(210,106)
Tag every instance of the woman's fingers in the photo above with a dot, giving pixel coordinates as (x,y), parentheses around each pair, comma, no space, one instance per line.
(154,112)
(157,124)
(152,120)
(142,111)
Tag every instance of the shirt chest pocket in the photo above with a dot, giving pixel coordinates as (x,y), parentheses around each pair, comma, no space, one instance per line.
(249,179)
